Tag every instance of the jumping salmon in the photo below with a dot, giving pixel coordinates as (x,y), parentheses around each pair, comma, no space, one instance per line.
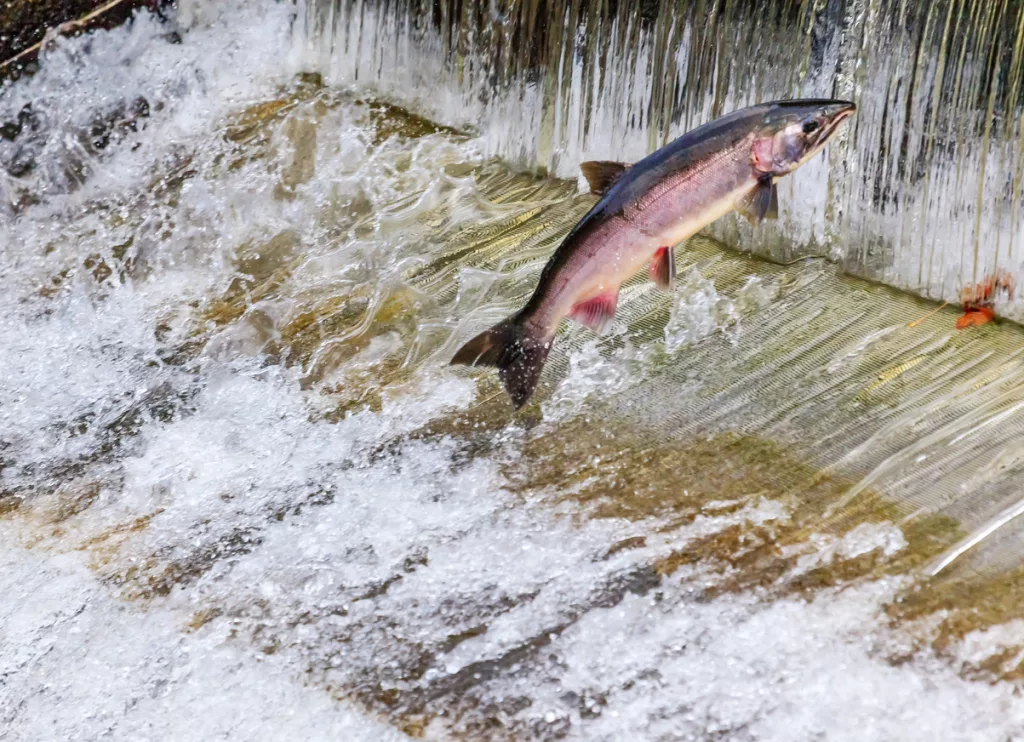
(646,209)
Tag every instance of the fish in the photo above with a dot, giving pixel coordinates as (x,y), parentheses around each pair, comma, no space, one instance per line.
(644,210)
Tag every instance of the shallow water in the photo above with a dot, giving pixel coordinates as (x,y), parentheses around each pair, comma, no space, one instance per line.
(244,497)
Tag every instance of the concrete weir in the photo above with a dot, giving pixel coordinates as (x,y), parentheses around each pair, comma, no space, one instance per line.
(243,494)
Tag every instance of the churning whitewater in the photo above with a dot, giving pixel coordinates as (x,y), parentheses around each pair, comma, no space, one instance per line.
(243,496)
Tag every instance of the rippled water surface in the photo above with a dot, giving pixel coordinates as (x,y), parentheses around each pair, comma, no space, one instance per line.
(244,497)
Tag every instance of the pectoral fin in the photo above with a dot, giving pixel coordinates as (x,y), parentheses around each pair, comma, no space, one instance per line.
(761,203)
(601,174)
(596,313)
(663,268)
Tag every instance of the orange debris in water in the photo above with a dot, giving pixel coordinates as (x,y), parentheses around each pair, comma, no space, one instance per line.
(979,317)
(979,300)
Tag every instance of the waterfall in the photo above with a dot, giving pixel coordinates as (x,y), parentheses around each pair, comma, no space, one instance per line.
(244,495)
(922,192)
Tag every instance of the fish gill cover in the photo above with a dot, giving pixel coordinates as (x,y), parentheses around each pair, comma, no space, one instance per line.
(244,497)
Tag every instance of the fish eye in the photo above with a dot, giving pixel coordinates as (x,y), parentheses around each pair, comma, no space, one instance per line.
(810,126)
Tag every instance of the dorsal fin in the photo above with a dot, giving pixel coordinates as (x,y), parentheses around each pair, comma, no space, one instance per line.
(601,174)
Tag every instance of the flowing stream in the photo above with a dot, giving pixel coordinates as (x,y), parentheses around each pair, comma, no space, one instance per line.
(243,496)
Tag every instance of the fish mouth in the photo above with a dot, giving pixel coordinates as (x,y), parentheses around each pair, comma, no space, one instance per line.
(842,111)
(831,115)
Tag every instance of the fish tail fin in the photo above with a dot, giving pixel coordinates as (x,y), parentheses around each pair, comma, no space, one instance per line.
(516,349)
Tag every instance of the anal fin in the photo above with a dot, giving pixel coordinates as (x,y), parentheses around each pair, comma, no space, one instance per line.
(602,174)
(596,313)
(761,203)
(663,268)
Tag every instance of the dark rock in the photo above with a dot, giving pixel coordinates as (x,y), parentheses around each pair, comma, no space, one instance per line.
(24,23)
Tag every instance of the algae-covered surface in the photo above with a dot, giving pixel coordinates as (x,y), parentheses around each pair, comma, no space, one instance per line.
(774,504)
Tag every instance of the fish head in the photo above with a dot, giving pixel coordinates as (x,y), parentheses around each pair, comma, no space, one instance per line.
(792,132)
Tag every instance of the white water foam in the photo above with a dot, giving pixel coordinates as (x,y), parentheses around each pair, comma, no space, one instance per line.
(77,665)
(302,563)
